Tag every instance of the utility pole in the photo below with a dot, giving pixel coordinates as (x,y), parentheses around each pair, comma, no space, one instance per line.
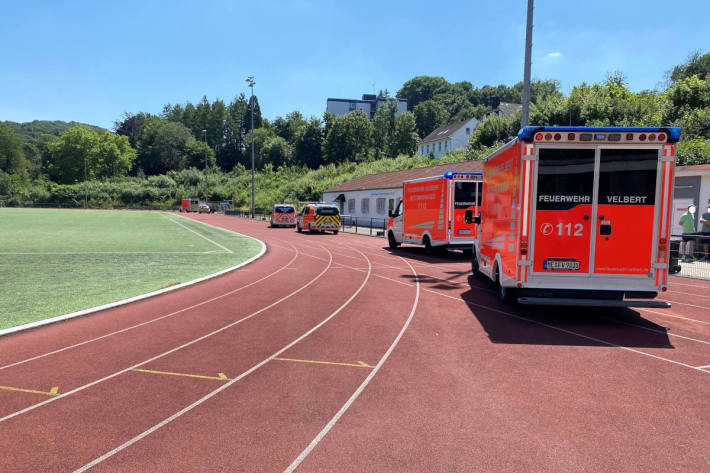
(525,117)
(204,132)
(250,81)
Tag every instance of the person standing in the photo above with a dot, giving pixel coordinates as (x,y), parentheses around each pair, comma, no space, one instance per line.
(687,221)
(705,231)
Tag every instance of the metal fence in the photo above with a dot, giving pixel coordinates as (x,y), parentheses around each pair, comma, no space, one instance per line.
(360,225)
(690,258)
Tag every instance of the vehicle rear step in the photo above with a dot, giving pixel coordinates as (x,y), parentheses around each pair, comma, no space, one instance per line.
(592,302)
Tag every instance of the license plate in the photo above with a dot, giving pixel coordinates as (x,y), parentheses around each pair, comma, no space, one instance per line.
(464,232)
(562,265)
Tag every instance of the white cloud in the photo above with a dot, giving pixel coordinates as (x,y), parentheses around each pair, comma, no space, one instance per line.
(555,54)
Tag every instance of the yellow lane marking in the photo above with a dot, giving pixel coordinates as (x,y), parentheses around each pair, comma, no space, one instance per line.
(52,392)
(220,376)
(359,364)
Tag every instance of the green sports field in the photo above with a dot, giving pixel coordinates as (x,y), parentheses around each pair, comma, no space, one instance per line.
(53,262)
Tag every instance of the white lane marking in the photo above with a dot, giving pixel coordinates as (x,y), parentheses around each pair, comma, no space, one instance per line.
(117,373)
(153,320)
(673,283)
(703,367)
(302,456)
(198,234)
(224,386)
(689,305)
(688,294)
(673,316)
(570,332)
(654,330)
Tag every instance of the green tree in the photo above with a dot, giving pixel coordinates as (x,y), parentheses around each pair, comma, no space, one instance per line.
(428,116)
(307,149)
(695,65)
(383,128)
(73,153)
(195,155)
(349,138)
(277,152)
(12,158)
(163,146)
(113,156)
(404,137)
(422,88)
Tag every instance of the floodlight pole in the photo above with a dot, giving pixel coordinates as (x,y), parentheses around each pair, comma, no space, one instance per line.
(204,132)
(250,81)
(525,117)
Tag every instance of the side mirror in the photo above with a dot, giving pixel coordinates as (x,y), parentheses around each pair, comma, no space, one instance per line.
(468,216)
(477,219)
(390,213)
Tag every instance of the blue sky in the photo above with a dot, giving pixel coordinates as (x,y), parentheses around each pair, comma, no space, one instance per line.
(91,61)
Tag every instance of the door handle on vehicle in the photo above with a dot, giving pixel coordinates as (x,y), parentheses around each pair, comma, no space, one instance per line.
(601,217)
(586,217)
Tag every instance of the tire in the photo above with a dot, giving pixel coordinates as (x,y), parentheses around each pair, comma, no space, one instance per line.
(468,253)
(335,232)
(475,266)
(505,294)
(298,228)
(392,241)
(428,249)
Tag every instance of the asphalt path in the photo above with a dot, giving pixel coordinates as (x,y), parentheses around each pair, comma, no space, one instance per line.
(334,353)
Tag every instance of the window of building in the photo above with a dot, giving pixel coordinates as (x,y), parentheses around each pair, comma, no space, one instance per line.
(351,206)
(439,145)
(381,205)
(446,144)
(468,131)
(365,206)
(391,204)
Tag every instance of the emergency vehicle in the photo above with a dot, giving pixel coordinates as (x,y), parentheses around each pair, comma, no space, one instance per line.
(189,205)
(283,215)
(318,216)
(578,216)
(432,210)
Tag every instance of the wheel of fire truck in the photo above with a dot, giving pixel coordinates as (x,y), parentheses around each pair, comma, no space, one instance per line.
(335,232)
(467,253)
(475,267)
(298,228)
(428,249)
(392,241)
(505,294)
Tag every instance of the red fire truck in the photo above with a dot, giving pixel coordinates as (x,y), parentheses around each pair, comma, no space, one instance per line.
(432,209)
(578,216)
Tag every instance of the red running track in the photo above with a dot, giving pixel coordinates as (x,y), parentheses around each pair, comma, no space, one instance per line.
(332,353)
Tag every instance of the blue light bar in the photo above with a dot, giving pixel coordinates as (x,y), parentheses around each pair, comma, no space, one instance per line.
(673,132)
(451,174)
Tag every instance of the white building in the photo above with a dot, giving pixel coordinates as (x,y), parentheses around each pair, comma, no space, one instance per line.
(369,104)
(372,196)
(692,186)
(447,138)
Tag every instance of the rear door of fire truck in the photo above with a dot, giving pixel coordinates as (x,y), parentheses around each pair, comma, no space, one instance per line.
(598,208)
(464,194)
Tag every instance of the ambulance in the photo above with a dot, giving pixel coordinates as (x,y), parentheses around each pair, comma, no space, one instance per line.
(432,211)
(318,217)
(283,215)
(189,205)
(578,216)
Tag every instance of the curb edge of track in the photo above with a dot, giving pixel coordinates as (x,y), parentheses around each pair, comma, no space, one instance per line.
(92,310)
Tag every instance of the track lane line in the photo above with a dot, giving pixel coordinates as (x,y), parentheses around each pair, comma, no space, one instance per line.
(173,350)
(198,234)
(559,329)
(302,456)
(225,385)
(152,320)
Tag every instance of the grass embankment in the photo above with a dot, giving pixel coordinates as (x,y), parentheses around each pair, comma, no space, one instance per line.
(53,262)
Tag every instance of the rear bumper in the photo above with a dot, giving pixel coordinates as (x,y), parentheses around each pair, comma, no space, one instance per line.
(592,302)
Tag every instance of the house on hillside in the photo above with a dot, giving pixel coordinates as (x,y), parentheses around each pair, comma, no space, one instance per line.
(504,110)
(374,195)
(447,138)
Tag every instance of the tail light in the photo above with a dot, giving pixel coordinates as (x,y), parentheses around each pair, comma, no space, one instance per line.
(524,246)
(642,137)
(662,244)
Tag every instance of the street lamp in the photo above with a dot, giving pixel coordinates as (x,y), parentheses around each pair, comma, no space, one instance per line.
(204,132)
(86,187)
(250,81)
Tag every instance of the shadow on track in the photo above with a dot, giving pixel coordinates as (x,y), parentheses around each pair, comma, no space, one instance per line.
(527,324)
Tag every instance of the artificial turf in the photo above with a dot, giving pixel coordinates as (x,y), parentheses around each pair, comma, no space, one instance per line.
(53,262)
